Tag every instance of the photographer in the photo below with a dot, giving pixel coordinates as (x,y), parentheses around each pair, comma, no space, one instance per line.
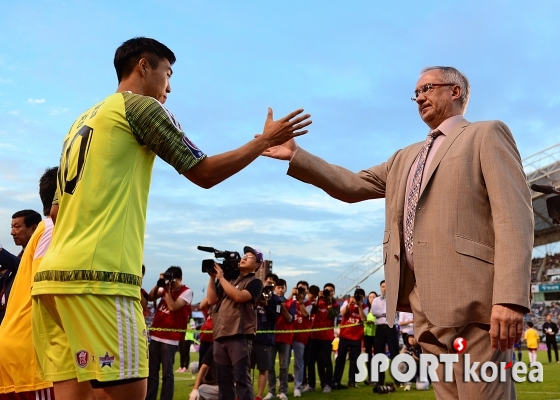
(268,308)
(173,312)
(325,312)
(282,343)
(412,348)
(350,338)
(235,324)
(301,322)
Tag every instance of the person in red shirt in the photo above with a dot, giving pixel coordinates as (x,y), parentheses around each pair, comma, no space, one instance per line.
(351,336)
(301,322)
(173,312)
(324,314)
(206,338)
(282,343)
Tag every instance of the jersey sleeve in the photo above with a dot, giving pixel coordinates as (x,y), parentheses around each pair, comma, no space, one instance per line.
(154,126)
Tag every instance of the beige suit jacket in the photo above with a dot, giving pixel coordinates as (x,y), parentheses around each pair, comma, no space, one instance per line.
(473,234)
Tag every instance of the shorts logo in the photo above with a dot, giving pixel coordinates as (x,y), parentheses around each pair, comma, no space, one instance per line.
(106,360)
(82,358)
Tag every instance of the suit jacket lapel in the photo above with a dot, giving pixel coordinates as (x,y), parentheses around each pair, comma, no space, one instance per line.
(454,134)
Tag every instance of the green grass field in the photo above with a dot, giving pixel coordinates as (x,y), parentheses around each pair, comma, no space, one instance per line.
(549,389)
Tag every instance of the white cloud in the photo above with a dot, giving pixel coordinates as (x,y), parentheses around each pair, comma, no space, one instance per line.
(13,112)
(5,80)
(35,101)
(58,111)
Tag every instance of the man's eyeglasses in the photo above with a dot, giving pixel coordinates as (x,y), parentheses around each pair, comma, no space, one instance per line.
(248,256)
(427,88)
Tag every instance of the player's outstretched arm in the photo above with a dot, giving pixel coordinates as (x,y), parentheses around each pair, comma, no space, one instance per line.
(215,169)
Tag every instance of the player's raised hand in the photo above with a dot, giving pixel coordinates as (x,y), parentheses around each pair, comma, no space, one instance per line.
(280,131)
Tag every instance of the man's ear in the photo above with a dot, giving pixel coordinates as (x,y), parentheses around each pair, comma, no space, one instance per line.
(142,66)
(456,92)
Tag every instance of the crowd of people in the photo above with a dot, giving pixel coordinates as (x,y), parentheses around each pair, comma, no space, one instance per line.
(306,325)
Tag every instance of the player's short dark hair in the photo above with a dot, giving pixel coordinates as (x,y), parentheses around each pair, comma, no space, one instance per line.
(530,324)
(329,284)
(304,283)
(176,271)
(30,217)
(314,290)
(130,52)
(47,189)
(273,276)
(382,282)
(281,282)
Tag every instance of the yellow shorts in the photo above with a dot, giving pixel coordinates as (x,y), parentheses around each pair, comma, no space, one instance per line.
(89,337)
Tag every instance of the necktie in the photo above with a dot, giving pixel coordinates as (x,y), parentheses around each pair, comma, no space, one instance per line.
(412,200)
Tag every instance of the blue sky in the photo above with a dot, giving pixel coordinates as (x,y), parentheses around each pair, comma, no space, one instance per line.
(352,65)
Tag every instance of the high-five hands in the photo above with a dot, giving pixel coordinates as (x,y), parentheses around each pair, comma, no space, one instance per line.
(281,133)
(284,129)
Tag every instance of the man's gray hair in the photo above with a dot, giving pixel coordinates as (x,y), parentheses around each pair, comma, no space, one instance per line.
(453,75)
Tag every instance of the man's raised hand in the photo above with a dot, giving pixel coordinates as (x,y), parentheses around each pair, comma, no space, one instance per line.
(283,151)
(280,131)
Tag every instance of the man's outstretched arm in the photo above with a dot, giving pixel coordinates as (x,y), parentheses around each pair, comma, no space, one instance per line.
(214,169)
(336,181)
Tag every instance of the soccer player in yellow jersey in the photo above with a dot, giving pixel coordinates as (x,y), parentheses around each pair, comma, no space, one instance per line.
(19,375)
(88,327)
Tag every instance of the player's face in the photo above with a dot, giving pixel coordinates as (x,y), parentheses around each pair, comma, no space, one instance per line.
(157,81)
(371,297)
(383,290)
(20,232)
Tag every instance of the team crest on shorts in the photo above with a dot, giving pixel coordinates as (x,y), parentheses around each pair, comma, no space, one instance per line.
(106,360)
(82,358)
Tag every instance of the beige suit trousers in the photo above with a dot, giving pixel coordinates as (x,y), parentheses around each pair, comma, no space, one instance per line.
(435,340)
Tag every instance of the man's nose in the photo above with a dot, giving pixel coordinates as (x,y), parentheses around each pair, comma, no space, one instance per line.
(420,98)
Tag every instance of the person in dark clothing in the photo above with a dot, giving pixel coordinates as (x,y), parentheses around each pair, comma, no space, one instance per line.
(550,330)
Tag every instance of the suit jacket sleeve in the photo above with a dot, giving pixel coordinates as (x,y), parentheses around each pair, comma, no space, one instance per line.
(512,216)
(339,182)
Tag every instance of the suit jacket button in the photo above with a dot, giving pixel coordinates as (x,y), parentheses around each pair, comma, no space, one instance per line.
(396,257)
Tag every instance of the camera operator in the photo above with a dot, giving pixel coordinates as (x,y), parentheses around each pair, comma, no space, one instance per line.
(301,323)
(235,324)
(173,312)
(350,338)
(326,310)
(268,308)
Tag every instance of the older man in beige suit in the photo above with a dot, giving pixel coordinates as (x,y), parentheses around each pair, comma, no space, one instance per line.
(459,229)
